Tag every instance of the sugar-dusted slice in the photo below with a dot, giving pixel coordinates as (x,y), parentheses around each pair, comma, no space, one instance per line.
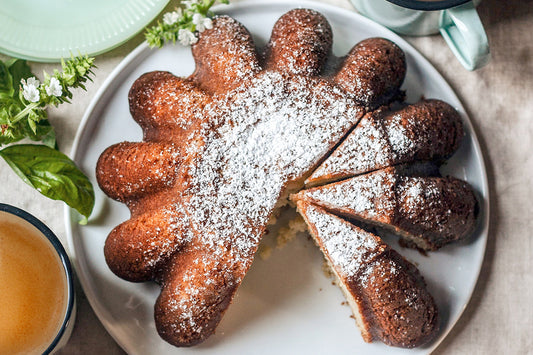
(387,294)
(430,130)
(428,212)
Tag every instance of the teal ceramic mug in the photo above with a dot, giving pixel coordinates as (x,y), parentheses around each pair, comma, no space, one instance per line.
(456,20)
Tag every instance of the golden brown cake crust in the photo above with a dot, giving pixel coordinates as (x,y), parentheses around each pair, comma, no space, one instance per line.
(404,313)
(123,185)
(240,131)
(381,65)
(225,56)
(437,210)
(164,105)
(300,43)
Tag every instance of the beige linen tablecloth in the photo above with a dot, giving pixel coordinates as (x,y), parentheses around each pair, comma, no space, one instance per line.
(499,101)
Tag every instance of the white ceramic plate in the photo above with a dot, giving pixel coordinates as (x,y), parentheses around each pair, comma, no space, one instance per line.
(48,30)
(286,305)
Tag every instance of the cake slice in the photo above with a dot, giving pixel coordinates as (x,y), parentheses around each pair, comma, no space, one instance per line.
(430,130)
(426,211)
(387,294)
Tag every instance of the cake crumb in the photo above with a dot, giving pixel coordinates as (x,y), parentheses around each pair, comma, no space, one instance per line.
(326,269)
(298,224)
(287,234)
(264,252)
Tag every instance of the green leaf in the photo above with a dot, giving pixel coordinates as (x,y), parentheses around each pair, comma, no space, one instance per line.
(36,126)
(51,173)
(9,132)
(6,81)
(49,139)
(19,69)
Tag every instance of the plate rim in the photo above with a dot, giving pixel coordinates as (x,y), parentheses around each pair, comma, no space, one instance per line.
(483,225)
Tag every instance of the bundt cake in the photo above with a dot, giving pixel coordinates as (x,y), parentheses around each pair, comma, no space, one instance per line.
(387,294)
(220,149)
(225,147)
(426,211)
(429,130)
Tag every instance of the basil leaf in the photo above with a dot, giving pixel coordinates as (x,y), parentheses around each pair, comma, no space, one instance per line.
(19,69)
(49,139)
(6,81)
(51,173)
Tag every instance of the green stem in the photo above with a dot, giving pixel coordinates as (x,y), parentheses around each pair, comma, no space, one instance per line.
(205,9)
(23,113)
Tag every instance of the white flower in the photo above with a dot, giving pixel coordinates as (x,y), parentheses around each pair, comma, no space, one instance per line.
(186,37)
(32,81)
(189,3)
(54,88)
(171,18)
(202,23)
(31,93)
(30,89)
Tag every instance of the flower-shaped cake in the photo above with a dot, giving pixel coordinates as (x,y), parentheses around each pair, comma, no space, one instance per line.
(223,149)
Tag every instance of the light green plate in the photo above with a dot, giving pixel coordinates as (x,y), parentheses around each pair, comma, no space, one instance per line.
(47,30)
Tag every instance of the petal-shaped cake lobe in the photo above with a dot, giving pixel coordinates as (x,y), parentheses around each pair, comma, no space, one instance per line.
(135,249)
(196,291)
(428,212)
(373,72)
(165,105)
(152,167)
(225,56)
(300,43)
(387,294)
(430,130)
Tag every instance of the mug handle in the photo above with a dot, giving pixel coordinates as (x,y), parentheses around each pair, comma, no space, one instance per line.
(462,29)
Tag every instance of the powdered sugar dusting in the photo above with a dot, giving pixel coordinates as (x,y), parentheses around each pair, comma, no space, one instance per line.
(347,247)
(413,192)
(429,211)
(272,131)
(419,195)
(363,150)
(381,139)
(369,196)
(401,143)
(260,136)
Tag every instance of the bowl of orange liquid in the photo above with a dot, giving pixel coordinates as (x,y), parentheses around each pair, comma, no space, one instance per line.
(37,301)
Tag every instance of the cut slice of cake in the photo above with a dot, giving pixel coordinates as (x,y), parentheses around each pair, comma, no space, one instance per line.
(430,130)
(387,294)
(428,212)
